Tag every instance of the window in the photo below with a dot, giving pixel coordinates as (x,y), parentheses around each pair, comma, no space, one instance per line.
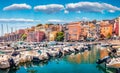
(74,30)
(73,34)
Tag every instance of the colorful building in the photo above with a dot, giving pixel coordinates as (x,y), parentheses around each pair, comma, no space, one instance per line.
(88,30)
(91,30)
(74,31)
(11,37)
(55,27)
(42,28)
(50,30)
(21,31)
(45,29)
(52,36)
(106,29)
(117,26)
(36,36)
(84,31)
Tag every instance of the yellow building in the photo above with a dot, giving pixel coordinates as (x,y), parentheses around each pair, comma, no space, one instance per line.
(106,29)
(52,35)
(88,30)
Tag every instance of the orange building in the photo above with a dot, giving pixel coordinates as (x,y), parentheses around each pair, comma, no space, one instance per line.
(74,31)
(91,30)
(106,29)
(56,27)
(88,29)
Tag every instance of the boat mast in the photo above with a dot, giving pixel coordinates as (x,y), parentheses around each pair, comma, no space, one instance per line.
(7,32)
(2,32)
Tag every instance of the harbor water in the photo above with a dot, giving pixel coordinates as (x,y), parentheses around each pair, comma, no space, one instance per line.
(84,62)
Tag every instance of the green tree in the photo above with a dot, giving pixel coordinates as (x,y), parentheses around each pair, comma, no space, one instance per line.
(24,36)
(39,25)
(60,36)
(109,36)
(50,24)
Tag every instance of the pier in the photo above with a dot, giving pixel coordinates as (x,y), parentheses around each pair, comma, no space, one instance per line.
(38,53)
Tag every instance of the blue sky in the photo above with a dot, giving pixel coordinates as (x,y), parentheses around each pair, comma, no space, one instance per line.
(26,13)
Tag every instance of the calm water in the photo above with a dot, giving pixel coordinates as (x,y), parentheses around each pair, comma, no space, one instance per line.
(75,63)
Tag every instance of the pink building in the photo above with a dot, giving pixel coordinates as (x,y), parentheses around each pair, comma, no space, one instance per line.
(36,36)
(117,26)
(21,31)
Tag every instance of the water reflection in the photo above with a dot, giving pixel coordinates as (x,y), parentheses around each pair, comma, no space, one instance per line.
(107,70)
(90,57)
(103,52)
(78,61)
(87,57)
(11,70)
(32,71)
(26,66)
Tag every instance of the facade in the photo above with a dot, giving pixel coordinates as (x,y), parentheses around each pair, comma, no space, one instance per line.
(10,37)
(21,31)
(45,29)
(84,30)
(106,29)
(97,25)
(117,26)
(88,30)
(50,31)
(54,30)
(55,27)
(74,31)
(41,28)
(37,36)
(65,29)
(52,36)
(91,30)
(13,37)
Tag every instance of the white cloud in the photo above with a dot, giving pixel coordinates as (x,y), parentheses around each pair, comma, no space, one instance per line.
(66,12)
(78,11)
(17,20)
(17,7)
(85,18)
(56,21)
(91,7)
(51,8)
(111,11)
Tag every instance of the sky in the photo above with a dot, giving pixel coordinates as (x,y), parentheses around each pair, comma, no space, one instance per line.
(19,14)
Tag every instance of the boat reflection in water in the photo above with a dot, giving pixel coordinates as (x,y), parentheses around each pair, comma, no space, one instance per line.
(84,62)
(107,70)
(86,57)
(26,67)
(90,57)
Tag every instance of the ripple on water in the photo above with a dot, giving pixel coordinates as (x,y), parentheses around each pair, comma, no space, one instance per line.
(74,63)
